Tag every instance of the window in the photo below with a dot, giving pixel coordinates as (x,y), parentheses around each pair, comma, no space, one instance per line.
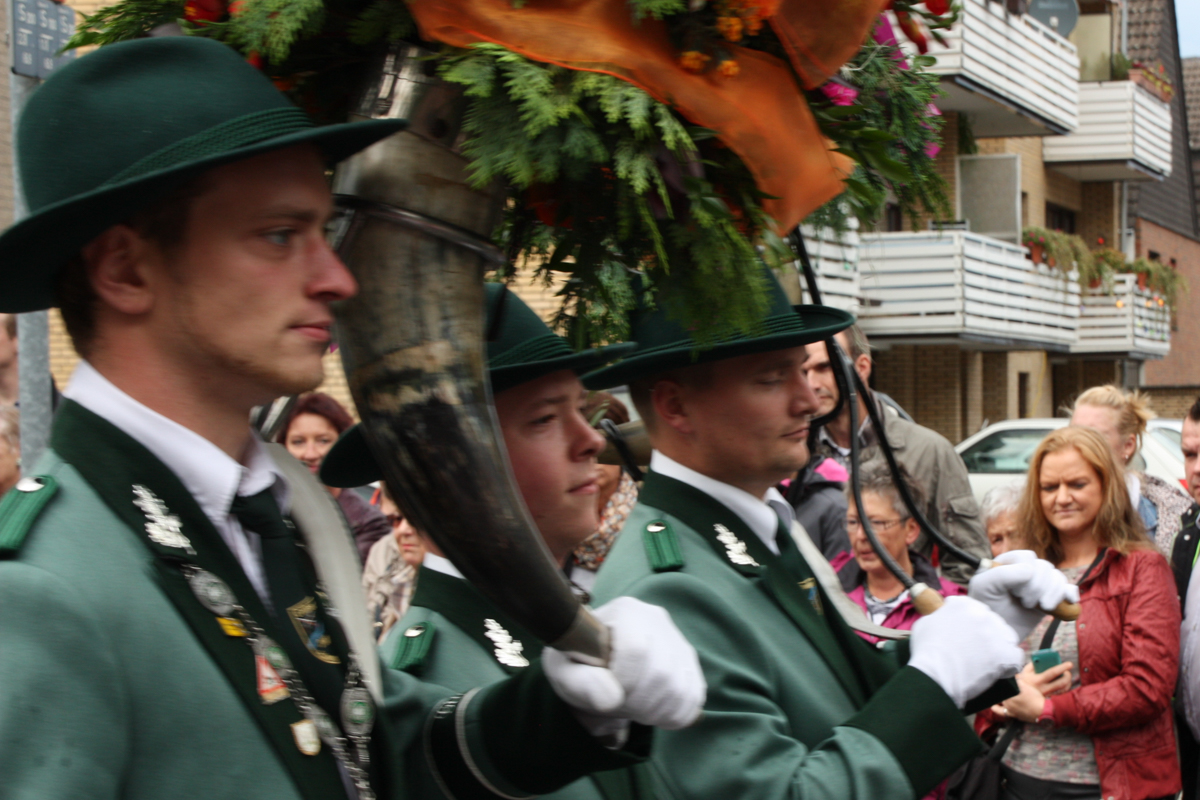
(1003,451)
(1059,218)
(893,218)
(1022,395)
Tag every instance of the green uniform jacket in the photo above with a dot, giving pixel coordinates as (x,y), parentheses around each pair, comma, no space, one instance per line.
(115,682)
(455,637)
(798,705)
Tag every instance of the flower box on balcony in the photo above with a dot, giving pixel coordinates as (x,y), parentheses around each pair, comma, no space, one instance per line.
(1152,82)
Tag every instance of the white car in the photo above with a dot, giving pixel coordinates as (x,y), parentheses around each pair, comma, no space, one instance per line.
(1000,453)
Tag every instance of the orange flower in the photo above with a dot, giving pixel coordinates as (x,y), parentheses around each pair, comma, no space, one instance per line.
(730,28)
(754,25)
(728,68)
(693,60)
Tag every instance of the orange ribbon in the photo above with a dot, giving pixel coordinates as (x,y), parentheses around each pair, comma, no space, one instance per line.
(759,113)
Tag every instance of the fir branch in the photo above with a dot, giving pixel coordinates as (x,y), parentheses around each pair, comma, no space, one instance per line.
(272,27)
(127,19)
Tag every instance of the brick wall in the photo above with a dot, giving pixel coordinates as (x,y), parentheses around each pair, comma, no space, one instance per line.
(1039,399)
(1182,364)
(1101,214)
(995,386)
(1172,402)
(927,381)
(1064,191)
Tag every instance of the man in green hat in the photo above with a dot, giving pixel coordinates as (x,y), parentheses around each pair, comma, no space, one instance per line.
(452,635)
(798,705)
(180,609)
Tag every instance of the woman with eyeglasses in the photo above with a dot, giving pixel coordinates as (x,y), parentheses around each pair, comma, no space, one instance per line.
(866,580)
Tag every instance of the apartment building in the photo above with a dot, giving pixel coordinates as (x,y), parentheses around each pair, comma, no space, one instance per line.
(1066,137)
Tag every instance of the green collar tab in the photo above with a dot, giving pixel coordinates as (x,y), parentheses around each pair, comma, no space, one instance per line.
(662,546)
(511,645)
(413,647)
(20,508)
(859,667)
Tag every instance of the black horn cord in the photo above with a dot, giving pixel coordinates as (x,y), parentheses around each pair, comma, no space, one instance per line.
(842,375)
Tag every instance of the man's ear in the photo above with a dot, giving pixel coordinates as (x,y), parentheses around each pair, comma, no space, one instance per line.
(911,531)
(670,405)
(862,365)
(117,265)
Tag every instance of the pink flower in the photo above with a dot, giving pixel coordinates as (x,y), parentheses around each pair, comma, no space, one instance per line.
(884,35)
(932,149)
(932,111)
(839,94)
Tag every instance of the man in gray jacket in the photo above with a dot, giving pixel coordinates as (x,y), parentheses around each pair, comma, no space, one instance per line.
(926,454)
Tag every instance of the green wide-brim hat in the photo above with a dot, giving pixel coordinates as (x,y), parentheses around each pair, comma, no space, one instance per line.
(116,130)
(520,348)
(665,344)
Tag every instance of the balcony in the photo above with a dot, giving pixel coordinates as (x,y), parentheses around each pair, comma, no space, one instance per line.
(1124,133)
(956,286)
(836,263)
(1011,75)
(1130,323)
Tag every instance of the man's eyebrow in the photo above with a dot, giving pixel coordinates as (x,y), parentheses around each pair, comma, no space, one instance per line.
(556,400)
(295,213)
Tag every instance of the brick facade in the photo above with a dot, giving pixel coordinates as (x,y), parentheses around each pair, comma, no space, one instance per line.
(1182,364)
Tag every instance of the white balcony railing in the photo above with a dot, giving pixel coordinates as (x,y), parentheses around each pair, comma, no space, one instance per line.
(1012,75)
(956,284)
(1131,321)
(836,264)
(1124,133)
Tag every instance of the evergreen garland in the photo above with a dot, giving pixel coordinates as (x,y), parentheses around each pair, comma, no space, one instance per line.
(605,184)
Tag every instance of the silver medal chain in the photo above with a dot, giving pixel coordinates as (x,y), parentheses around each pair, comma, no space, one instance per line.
(357,730)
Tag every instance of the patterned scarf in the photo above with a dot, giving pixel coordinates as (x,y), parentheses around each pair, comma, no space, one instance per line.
(591,552)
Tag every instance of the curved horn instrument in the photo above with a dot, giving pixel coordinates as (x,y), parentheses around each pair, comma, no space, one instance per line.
(412,342)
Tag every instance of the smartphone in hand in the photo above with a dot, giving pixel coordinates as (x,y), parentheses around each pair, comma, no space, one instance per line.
(1045,659)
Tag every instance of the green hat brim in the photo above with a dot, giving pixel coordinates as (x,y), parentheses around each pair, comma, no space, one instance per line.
(34,250)
(814,324)
(350,462)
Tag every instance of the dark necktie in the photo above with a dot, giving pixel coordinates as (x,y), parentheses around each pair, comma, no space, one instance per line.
(304,627)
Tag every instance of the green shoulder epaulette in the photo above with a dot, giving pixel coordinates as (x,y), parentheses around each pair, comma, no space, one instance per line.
(413,647)
(662,546)
(20,507)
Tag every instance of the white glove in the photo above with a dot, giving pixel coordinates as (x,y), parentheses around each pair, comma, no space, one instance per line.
(965,647)
(653,674)
(1020,587)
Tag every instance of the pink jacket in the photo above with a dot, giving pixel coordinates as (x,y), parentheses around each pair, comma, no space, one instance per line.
(903,616)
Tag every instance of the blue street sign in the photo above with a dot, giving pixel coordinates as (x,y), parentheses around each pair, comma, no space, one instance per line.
(40,29)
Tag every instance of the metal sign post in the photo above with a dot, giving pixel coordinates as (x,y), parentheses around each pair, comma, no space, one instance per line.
(39,30)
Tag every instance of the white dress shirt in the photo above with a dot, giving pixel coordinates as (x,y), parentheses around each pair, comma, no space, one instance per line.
(761,514)
(442,565)
(206,471)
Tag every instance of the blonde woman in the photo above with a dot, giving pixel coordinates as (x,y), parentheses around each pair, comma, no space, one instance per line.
(1121,416)
(1100,723)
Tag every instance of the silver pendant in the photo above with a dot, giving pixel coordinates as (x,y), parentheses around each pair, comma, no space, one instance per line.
(212,592)
(358,711)
(735,548)
(162,527)
(508,650)
(275,655)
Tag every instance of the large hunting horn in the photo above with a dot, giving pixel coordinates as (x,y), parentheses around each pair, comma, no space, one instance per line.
(415,235)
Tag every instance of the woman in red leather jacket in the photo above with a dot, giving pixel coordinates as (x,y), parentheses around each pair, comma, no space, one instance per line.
(1099,725)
